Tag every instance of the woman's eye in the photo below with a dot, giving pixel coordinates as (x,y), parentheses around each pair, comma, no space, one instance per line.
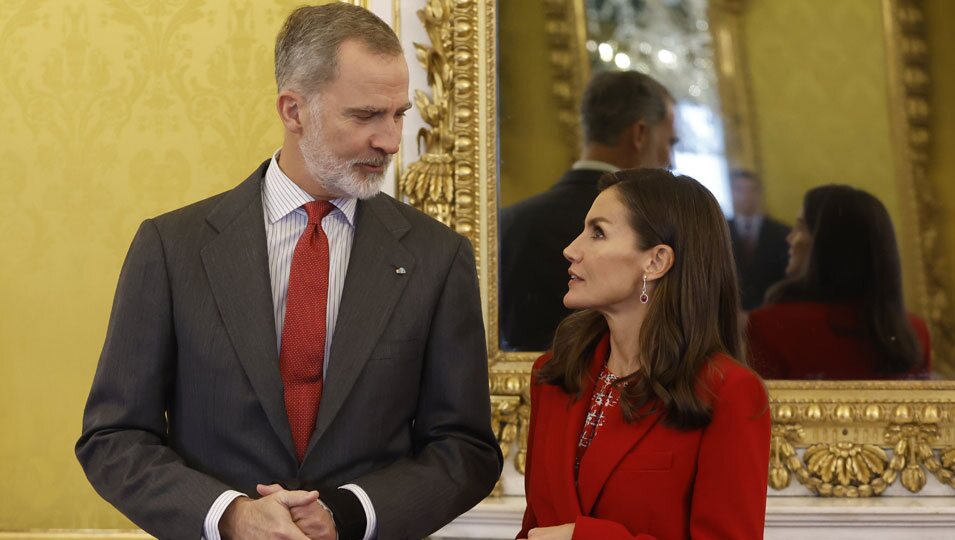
(598,233)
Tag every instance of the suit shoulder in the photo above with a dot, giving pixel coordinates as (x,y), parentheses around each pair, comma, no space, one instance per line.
(197,210)
(724,372)
(776,226)
(224,206)
(542,359)
(398,215)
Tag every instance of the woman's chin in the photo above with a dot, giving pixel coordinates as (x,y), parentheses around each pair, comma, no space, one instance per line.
(572,303)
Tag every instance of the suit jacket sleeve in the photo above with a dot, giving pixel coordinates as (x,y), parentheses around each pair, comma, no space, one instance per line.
(456,459)
(123,448)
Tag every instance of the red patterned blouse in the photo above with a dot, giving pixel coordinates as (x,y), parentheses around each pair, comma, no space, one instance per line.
(603,402)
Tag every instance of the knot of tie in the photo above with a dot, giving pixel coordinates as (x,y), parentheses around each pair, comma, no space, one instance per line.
(317,210)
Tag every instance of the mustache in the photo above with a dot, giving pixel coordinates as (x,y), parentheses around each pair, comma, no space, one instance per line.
(381,160)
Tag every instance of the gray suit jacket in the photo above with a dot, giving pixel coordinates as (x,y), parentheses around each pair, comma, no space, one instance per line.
(187,399)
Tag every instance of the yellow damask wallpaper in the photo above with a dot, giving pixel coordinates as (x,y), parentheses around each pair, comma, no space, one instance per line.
(111,111)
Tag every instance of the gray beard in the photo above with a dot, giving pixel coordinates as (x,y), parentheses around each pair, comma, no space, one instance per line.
(340,178)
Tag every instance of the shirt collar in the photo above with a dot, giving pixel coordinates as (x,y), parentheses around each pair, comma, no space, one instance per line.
(748,223)
(594,165)
(281,196)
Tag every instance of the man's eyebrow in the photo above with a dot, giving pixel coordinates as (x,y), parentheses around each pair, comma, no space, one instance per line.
(375,110)
(364,110)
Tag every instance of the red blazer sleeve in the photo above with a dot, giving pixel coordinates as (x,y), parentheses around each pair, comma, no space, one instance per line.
(925,341)
(759,351)
(530,520)
(729,493)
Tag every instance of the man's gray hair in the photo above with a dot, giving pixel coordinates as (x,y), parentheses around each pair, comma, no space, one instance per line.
(615,100)
(306,49)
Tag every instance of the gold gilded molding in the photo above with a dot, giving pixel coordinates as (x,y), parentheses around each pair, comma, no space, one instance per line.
(858,438)
(566,30)
(428,184)
(443,181)
(739,127)
(909,85)
(510,416)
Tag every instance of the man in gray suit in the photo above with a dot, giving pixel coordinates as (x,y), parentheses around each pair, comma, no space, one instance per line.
(301,356)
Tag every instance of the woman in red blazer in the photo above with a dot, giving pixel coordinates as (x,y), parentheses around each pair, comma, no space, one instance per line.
(643,425)
(840,314)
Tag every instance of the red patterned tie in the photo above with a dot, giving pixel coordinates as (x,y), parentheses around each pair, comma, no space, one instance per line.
(303,337)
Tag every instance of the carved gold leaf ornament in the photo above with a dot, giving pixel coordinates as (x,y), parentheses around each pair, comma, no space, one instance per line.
(428,184)
(850,464)
(783,458)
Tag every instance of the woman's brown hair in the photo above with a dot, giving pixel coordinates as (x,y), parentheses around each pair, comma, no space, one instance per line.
(854,260)
(693,309)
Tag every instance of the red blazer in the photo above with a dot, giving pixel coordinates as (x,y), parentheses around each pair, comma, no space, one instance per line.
(644,480)
(801,340)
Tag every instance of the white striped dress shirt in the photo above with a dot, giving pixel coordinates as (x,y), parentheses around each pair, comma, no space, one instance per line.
(285,221)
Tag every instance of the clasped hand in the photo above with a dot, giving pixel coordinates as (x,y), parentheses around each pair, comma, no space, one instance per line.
(279,514)
(560,532)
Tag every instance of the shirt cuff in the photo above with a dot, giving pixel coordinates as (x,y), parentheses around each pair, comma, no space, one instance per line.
(371,521)
(210,527)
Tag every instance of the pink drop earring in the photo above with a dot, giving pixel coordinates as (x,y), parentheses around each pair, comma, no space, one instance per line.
(644,297)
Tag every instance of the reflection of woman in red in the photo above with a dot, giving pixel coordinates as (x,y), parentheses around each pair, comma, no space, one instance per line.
(840,314)
(643,425)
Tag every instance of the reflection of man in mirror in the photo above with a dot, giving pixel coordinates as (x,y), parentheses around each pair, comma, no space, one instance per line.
(759,242)
(627,121)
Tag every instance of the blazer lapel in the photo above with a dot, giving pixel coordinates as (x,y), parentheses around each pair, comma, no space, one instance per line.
(612,443)
(372,289)
(236,263)
(573,426)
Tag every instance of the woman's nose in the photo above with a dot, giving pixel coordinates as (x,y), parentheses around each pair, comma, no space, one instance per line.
(570,252)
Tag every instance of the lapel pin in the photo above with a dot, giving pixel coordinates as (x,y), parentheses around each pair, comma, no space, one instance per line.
(401,271)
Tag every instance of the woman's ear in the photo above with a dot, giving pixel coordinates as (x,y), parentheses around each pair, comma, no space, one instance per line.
(660,261)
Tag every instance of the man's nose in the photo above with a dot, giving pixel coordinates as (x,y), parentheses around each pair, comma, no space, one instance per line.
(388,138)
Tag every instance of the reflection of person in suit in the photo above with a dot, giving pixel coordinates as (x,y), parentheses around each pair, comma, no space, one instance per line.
(841,314)
(643,423)
(627,120)
(299,332)
(759,241)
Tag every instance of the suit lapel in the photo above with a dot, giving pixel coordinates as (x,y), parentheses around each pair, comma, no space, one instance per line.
(236,263)
(572,428)
(612,443)
(372,289)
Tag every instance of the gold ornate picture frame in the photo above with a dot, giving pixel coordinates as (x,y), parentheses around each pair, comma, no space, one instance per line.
(841,439)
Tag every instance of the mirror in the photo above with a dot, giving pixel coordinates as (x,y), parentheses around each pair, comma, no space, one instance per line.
(821,429)
(798,94)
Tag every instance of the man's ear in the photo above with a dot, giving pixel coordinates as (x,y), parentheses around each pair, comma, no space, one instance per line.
(639,133)
(661,261)
(291,107)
